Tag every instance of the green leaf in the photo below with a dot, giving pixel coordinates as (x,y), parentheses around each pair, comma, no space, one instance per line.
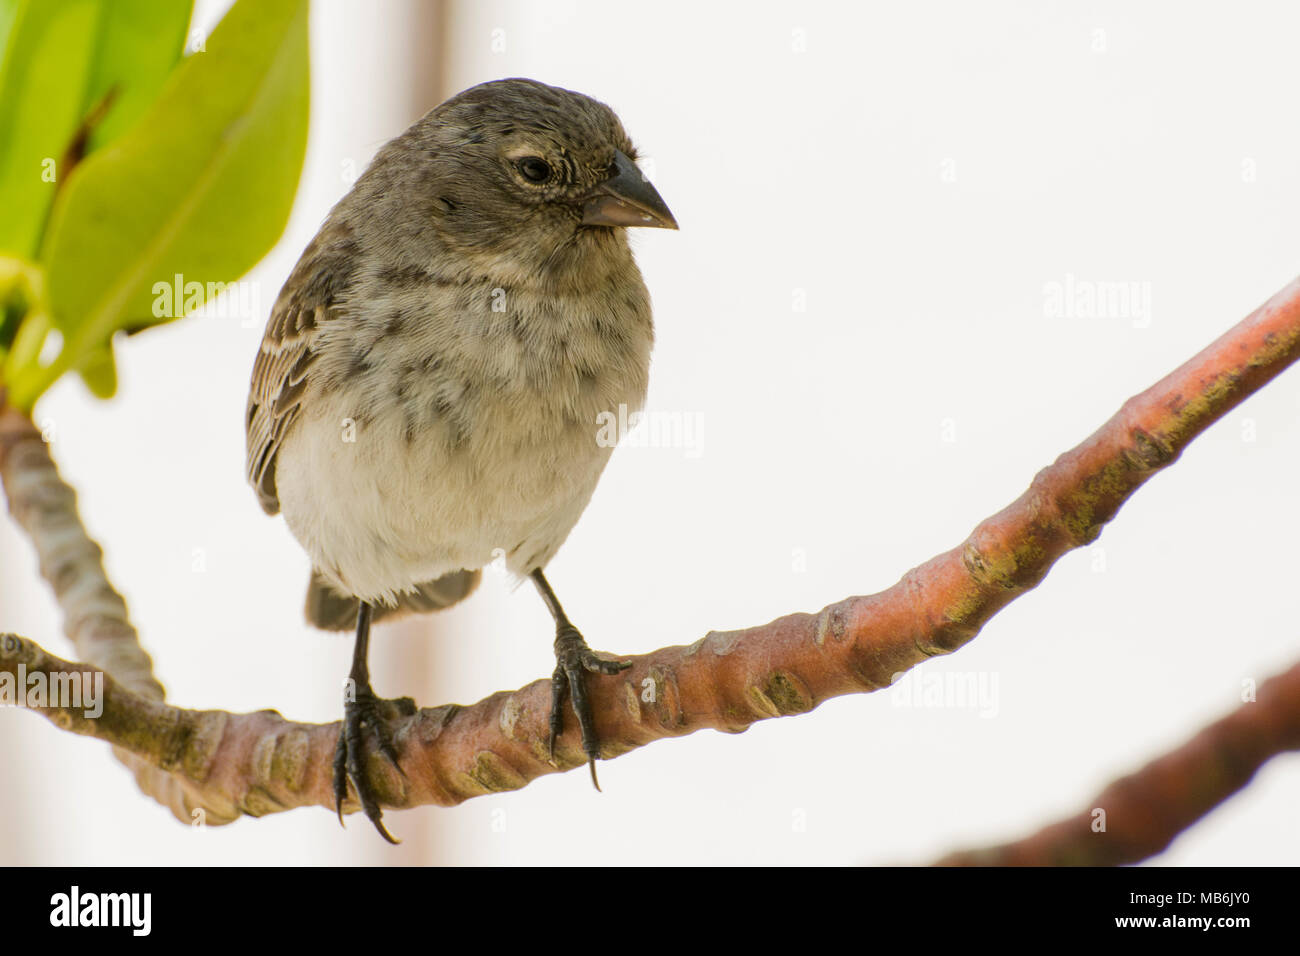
(140,42)
(46,69)
(8,12)
(24,312)
(68,63)
(99,372)
(200,187)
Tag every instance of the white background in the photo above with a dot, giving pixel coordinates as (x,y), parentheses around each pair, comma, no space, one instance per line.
(915,175)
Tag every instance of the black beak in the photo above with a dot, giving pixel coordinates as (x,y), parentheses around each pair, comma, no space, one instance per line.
(626,199)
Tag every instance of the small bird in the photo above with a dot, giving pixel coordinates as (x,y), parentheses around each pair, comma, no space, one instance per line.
(426,394)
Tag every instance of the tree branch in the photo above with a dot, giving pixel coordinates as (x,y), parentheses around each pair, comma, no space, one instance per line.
(1144,811)
(259,763)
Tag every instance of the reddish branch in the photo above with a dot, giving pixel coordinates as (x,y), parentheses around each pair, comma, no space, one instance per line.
(259,763)
(1143,812)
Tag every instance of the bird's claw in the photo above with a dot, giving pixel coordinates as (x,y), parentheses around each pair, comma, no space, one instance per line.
(573,660)
(366,710)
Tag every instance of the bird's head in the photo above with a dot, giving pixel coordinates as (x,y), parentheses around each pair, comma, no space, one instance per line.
(531,179)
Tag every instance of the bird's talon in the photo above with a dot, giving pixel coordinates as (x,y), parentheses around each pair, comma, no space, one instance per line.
(383,830)
(574,660)
(366,710)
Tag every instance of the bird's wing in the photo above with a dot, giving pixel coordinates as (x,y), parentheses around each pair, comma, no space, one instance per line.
(306,302)
(279,379)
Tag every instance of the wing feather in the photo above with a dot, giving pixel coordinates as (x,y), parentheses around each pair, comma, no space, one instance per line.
(279,380)
(284,361)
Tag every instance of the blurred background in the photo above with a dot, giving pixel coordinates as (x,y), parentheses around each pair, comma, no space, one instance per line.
(860,327)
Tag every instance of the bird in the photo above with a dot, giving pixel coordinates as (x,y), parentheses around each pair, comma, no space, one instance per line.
(424,399)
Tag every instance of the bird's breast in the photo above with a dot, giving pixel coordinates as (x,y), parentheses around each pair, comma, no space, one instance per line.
(459,426)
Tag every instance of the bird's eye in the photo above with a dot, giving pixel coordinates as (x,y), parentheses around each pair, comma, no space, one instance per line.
(534,169)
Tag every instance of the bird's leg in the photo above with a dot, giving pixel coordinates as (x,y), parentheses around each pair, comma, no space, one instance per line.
(573,658)
(362,708)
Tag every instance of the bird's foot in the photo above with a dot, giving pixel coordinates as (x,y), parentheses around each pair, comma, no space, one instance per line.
(573,659)
(366,710)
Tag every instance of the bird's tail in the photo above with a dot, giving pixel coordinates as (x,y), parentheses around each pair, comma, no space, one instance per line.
(332,611)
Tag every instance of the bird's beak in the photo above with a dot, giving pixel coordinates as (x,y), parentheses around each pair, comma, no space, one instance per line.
(626,199)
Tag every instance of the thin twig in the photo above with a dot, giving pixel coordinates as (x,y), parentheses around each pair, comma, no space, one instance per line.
(1139,815)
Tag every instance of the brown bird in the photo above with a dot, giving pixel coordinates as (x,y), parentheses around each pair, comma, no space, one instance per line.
(429,385)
